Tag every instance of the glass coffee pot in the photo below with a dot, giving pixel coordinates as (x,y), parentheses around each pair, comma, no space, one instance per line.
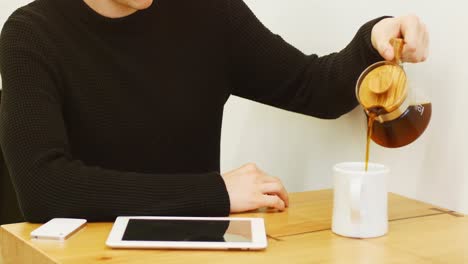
(397,114)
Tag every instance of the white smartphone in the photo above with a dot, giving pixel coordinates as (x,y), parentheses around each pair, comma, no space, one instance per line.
(58,228)
(188,233)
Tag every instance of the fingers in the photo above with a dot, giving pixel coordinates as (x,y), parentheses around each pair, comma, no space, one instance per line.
(426,44)
(272,201)
(382,32)
(416,39)
(411,29)
(386,51)
(266,184)
(384,47)
(276,186)
(277,189)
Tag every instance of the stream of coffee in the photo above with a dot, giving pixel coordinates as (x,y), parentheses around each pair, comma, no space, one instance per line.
(370,126)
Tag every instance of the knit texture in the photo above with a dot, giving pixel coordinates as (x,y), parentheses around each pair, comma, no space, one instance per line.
(105,117)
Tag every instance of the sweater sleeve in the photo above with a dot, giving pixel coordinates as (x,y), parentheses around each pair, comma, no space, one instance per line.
(266,69)
(48,180)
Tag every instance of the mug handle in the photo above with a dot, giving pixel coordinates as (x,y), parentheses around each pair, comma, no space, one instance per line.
(355,190)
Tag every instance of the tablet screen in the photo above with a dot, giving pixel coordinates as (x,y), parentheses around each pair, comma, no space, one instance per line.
(188,230)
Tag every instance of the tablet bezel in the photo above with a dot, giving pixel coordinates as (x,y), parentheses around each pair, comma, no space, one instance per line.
(259,240)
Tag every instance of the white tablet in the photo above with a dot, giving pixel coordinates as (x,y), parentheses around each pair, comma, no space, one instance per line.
(188,233)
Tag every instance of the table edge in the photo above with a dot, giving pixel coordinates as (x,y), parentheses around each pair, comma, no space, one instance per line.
(25,242)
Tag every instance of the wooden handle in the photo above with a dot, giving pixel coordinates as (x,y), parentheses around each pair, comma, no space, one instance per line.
(383,81)
(397,44)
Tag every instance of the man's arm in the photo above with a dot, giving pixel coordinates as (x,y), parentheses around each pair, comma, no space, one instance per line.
(267,69)
(49,181)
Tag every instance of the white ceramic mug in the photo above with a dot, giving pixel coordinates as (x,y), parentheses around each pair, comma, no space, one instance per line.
(360,200)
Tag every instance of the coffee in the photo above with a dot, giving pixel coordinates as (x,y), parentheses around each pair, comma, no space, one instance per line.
(405,129)
(370,126)
(400,131)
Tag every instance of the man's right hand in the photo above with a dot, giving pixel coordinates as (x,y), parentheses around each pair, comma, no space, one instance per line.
(250,188)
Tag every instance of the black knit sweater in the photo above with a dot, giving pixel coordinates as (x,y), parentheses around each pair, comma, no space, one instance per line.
(104,117)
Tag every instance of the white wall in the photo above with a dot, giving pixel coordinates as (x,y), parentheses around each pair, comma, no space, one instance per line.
(302,150)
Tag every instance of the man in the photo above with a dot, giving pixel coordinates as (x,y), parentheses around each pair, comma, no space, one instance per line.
(114,107)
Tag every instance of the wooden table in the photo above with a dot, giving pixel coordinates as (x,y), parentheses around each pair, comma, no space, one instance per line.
(419,233)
